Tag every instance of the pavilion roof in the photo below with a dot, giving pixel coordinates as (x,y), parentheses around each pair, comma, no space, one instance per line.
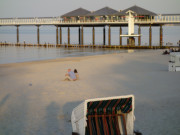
(76,12)
(102,12)
(137,10)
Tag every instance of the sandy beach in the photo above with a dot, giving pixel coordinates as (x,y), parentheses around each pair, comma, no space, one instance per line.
(34,99)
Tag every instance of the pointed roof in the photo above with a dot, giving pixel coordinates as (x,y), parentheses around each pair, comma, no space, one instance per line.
(103,11)
(137,10)
(77,12)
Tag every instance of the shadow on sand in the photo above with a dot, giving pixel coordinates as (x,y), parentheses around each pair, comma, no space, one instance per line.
(52,122)
(3,101)
(58,120)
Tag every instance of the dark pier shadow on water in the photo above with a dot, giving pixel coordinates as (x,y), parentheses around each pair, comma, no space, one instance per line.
(3,101)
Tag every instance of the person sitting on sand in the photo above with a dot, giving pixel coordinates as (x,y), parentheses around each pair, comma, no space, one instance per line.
(76,73)
(165,52)
(70,76)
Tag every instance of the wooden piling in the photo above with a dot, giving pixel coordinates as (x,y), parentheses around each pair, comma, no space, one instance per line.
(120,38)
(139,38)
(79,35)
(60,34)
(68,36)
(17,34)
(56,35)
(150,36)
(161,36)
(38,34)
(93,36)
(109,36)
(104,36)
(82,42)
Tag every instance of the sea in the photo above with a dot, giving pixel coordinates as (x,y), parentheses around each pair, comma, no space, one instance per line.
(28,34)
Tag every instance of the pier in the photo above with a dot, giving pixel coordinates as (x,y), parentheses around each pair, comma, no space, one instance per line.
(82,18)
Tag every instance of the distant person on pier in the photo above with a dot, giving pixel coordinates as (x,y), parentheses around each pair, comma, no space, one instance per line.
(76,73)
(70,76)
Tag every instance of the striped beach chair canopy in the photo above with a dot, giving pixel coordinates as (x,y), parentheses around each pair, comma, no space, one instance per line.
(104,116)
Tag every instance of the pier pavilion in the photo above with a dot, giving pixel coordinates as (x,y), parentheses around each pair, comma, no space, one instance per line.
(102,14)
(101,18)
(75,15)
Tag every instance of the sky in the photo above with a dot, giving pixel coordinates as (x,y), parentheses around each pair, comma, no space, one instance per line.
(53,8)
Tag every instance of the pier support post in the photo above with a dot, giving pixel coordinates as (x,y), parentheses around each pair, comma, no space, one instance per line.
(104,36)
(93,36)
(56,35)
(38,34)
(68,36)
(60,34)
(150,36)
(139,38)
(161,36)
(79,34)
(17,34)
(82,42)
(120,39)
(109,36)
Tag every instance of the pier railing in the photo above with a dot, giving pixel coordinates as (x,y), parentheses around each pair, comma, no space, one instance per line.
(59,21)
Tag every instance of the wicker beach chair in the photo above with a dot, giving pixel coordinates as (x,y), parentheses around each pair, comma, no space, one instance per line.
(104,116)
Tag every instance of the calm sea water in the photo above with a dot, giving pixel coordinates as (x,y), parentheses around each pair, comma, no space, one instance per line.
(12,54)
(48,34)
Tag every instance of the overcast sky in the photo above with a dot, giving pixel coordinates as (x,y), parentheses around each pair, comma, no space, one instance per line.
(50,8)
